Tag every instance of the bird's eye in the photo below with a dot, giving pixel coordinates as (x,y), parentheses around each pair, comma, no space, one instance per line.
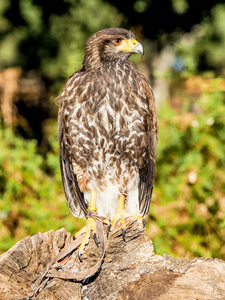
(117,41)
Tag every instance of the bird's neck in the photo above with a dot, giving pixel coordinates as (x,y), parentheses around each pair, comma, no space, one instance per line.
(109,67)
(115,67)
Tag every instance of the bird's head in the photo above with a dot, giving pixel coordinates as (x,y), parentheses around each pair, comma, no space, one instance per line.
(111,44)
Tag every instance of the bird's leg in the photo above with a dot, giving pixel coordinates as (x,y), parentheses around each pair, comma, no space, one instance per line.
(121,215)
(90,225)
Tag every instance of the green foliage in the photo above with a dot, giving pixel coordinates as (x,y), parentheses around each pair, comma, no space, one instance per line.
(204,46)
(188,207)
(180,6)
(31,193)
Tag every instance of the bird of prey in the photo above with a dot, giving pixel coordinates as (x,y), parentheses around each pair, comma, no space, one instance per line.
(108,133)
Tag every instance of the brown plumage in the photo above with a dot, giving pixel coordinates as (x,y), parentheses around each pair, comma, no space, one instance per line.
(108,128)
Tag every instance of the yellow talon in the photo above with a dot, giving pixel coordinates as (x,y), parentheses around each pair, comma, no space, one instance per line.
(83,230)
(90,226)
(121,215)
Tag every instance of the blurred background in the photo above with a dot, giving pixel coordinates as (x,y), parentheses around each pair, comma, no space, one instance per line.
(42,43)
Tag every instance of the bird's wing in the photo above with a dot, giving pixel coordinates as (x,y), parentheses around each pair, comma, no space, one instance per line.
(74,196)
(147,173)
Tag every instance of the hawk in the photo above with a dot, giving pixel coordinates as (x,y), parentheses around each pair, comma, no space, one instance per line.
(108,133)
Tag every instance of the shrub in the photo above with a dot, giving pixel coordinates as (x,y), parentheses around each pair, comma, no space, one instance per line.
(31,192)
(188,207)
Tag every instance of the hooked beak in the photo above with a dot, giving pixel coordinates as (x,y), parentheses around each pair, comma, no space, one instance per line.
(138,48)
(132,46)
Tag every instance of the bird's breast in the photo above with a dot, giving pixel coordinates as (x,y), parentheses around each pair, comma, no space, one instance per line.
(107,133)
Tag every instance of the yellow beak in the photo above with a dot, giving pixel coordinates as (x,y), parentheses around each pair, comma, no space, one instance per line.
(132,46)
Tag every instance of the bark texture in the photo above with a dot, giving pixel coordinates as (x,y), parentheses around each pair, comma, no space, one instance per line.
(130,270)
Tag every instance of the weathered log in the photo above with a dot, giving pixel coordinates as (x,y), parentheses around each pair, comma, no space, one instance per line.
(130,270)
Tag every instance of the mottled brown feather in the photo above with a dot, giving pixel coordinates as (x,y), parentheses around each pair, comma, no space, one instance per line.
(74,196)
(147,173)
(108,127)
